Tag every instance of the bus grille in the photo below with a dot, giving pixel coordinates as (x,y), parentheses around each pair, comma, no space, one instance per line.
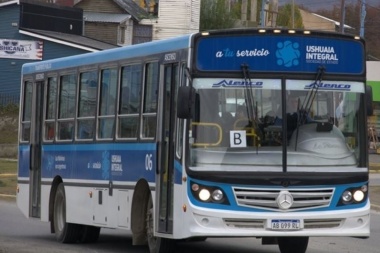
(267,198)
(323,223)
(244,223)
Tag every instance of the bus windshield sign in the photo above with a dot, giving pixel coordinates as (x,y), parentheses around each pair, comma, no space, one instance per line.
(280,53)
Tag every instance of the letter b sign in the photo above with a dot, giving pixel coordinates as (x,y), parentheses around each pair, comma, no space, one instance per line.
(238,139)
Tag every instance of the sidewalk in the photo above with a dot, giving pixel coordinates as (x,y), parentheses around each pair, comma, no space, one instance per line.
(374,163)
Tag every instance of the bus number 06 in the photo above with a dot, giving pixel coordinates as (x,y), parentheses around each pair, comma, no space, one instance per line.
(148,162)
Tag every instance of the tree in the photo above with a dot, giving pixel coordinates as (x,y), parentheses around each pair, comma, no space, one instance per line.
(285,19)
(218,14)
(352,18)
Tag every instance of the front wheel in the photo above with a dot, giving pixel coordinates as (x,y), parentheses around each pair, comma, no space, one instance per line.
(64,232)
(156,244)
(89,234)
(293,244)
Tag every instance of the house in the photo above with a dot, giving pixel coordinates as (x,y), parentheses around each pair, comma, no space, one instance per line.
(22,41)
(115,21)
(126,22)
(174,17)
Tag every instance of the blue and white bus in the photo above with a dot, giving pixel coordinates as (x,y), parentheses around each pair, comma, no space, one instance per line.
(232,133)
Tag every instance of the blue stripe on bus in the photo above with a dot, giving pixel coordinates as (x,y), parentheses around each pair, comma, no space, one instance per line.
(139,50)
(116,162)
(101,161)
(233,206)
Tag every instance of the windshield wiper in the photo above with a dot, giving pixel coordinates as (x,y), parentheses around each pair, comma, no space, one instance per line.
(303,112)
(251,111)
(248,93)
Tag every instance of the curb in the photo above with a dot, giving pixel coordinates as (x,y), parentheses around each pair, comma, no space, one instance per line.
(375,207)
(7,196)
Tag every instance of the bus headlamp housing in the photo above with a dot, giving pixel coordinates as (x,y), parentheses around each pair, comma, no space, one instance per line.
(208,194)
(354,195)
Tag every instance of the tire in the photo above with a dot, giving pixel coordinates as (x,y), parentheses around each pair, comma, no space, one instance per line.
(64,232)
(293,244)
(156,244)
(89,234)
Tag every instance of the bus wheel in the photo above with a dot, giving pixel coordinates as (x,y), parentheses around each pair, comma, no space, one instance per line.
(89,234)
(156,244)
(293,244)
(64,232)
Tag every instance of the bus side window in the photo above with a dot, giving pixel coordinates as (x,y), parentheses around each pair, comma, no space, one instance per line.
(106,117)
(129,107)
(87,105)
(27,111)
(66,114)
(51,103)
(150,101)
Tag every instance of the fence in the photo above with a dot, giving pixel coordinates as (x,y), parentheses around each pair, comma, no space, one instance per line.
(6,99)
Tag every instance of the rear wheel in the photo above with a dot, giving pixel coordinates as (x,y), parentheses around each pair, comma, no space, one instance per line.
(64,232)
(156,244)
(293,244)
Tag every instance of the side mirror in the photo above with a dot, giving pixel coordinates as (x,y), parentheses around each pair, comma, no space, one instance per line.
(369,99)
(185,102)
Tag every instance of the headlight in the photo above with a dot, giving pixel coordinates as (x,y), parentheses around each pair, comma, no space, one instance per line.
(358,195)
(347,196)
(354,195)
(217,195)
(208,194)
(204,195)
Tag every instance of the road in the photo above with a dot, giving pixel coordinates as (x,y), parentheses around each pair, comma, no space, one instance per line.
(21,235)
(374,179)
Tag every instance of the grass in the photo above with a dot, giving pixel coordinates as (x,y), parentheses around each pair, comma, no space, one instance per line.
(8,127)
(8,177)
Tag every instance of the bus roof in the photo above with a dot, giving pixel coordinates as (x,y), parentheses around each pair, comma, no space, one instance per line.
(120,53)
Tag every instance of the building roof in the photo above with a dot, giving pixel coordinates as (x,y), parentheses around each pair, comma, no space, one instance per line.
(105,17)
(132,8)
(5,3)
(71,40)
(333,21)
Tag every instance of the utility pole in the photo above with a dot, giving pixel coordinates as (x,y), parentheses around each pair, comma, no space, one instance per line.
(292,14)
(253,17)
(244,6)
(363,13)
(262,16)
(342,15)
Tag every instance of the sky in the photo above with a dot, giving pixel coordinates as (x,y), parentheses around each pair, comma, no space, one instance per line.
(326,4)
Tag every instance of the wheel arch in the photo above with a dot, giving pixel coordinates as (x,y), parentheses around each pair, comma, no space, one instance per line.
(138,212)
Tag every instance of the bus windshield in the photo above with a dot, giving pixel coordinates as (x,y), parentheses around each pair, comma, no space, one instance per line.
(242,125)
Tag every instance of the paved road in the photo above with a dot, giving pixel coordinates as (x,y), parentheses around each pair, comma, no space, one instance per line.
(21,235)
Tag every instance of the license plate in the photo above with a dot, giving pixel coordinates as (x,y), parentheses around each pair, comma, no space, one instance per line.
(286,224)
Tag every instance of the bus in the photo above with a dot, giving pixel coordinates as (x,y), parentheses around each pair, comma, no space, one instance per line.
(229,133)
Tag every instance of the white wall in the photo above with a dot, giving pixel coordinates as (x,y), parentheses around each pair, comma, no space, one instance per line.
(373,70)
(175,17)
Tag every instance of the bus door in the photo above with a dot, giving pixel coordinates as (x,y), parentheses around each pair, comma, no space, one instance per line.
(166,150)
(35,149)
